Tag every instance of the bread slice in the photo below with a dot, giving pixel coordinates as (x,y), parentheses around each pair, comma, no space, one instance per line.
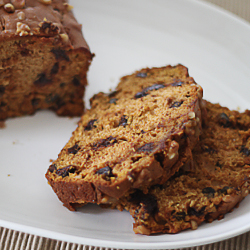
(212,187)
(44,58)
(134,137)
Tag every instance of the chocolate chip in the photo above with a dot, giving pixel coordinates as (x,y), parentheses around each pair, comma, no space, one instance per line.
(113,100)
(161,187)
(52,168)
(148,148)
(45,25)
(65,171)
(180,216)
(52,98)
(74,149)
(2,89)
(140,94)
(172,212)
(208,191)
(224,120)
(2,23)
(106,172)
(176,104)
(113,94)
(160,158)
(223,190)
(35,102)
(25,52)
(218,164)
(49,27)
(42,80)
(60,54)
(57,101)
(123,121)
(145,91)
(3,104)
(147,202)
(192,211)
(142,74)
(245,150)
(76,81)
(105,142)
(155,87)
(207,149)
(90,125)
(177,174)
(55,69)
(177,83)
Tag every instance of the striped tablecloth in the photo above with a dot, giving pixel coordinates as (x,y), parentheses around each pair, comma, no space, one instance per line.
(14,240)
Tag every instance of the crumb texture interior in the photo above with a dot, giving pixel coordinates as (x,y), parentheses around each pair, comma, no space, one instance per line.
(134,137)
(213,186)
(44,59)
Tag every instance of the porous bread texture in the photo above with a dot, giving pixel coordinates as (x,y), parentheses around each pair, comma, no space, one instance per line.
(44,59)
(134,137)
(218,180)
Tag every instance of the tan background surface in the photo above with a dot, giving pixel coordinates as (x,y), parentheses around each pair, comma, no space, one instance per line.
(13,240)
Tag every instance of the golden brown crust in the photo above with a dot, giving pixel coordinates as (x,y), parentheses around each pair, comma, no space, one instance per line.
(216,183)
(134,137)
(44,59)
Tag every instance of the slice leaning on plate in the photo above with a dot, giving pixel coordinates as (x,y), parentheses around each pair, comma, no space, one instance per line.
(216,182)
(137,136)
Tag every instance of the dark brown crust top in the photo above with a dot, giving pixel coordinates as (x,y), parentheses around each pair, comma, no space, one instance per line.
(43,18)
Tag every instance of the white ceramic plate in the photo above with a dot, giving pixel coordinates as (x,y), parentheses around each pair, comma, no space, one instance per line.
(125,36)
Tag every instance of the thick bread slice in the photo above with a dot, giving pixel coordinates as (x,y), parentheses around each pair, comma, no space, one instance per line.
(137,136)
(219,179)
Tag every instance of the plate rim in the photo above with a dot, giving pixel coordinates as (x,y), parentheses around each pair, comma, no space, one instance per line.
(131,245)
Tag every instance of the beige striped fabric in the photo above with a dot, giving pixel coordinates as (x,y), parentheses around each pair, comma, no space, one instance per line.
(14,240)
(238,7)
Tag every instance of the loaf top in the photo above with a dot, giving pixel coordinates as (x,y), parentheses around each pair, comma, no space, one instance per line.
(216,182)
(51,19)
(133,137)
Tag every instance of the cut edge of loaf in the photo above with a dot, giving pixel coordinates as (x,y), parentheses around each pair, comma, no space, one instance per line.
(45,60)
(80,190)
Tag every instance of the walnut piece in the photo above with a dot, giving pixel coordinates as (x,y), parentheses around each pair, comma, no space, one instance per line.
(23,29)
(47,2)
(68,6)
(64,37)
(191,115)
(18,4)
(21,15)
(8,7)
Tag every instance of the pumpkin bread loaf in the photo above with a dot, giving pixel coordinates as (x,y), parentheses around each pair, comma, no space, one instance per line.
(44,58)
(219,179)
(137,136)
